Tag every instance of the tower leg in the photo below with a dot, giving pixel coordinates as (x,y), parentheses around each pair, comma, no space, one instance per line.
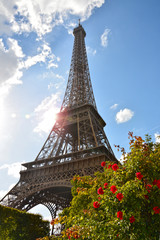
(53,208)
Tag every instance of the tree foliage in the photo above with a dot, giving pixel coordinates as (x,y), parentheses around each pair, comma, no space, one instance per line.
(19,225)
(123,202)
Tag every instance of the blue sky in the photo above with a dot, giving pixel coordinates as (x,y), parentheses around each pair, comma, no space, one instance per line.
(36,45)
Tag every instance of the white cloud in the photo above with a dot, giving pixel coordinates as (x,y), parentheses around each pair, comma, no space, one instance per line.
(114,106)
(51,64)
(104,37)
(91,50)
(6,16)
(2,114)
(41,16)
(13,62)
(4,192)
(57,80)
(10,70)
(157,137)
(46,113)
(13,169)
(9,63)
(45,55)
(15,47)
(6,137)
(124,115)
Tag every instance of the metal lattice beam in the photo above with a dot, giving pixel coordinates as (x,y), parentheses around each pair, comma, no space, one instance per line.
(79,88)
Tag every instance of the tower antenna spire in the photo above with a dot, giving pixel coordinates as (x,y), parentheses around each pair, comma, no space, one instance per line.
(79,21)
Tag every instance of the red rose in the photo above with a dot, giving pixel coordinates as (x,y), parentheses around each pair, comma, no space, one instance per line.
(154,182)
(148,187)
(115,167)
(120,215)
(156,210)
(132,219)
(105,185)
(158,183)
(99,198)
(119,196)
(96,204)
(113,189)
(109,166)
(100,191)
(139,175)
(103,164)
(146,196)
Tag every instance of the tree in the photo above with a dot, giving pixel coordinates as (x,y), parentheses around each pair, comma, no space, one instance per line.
(19,225)
(123,202)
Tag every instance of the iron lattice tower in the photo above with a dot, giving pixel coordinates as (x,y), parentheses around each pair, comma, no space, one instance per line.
(76,145)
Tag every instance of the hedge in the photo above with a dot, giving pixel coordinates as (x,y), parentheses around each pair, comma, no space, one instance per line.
(19,225)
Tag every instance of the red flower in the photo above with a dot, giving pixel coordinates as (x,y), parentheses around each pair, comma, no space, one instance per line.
(120,215)
(105,185)
(96,204)
(132,219)
(139,175)
(156,210)
(146,196)
(148,187)
(100,191)
(99,198)
(154,182)
(158,183)
(113,189)
(115,167)
(109,166)
(52,222)
(119,196)
(103,164)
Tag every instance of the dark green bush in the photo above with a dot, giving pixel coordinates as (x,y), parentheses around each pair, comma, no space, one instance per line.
(19,225)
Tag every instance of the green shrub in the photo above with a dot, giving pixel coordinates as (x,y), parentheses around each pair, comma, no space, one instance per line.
(19,225)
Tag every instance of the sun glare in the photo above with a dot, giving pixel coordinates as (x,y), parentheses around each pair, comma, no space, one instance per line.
(2,116)
(47,120)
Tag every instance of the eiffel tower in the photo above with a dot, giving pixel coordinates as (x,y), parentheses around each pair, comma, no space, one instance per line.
(76,145)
